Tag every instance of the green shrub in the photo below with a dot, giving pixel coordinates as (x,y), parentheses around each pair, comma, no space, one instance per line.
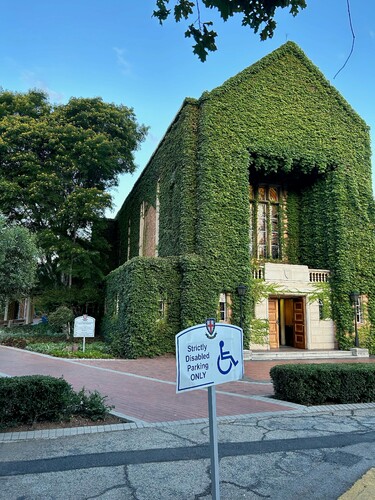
(40,328)
(91,405)
(60,319)
(38,398)
(314,384)
(21,336)
(28,399)
(40,339)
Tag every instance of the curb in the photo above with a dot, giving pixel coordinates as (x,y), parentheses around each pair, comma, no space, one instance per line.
(7,437)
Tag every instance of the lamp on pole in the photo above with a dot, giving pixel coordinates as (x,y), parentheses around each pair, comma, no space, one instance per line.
(241,292)
(354,296)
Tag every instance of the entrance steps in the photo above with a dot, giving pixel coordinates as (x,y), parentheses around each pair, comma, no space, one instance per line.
(304,354)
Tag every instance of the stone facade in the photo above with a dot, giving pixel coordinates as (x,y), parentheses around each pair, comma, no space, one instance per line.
(293,282)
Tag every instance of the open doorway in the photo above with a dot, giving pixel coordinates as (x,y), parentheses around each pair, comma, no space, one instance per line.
(286,318)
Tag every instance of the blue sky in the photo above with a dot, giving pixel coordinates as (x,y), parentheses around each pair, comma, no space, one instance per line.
(116,50)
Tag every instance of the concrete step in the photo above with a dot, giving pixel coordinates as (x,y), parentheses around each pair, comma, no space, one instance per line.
(304,354)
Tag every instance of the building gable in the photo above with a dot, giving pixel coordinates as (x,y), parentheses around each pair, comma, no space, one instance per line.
(282,107)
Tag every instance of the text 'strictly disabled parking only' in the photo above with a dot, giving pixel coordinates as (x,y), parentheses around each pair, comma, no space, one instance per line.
(207,355)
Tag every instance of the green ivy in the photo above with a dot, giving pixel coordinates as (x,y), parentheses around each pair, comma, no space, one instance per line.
(278,121)
(322,293)
(259,331)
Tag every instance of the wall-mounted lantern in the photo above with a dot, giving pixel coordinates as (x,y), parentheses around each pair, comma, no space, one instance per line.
(354,296)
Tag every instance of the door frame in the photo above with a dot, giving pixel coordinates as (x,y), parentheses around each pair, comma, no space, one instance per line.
(277,322)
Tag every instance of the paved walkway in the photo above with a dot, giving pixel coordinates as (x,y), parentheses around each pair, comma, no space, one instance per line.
(144,390)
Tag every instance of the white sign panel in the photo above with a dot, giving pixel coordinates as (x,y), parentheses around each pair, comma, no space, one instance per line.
(84,326)
(208,354)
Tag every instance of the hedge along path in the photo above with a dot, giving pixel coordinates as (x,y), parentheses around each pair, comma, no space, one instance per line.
(314,384)
(43,398)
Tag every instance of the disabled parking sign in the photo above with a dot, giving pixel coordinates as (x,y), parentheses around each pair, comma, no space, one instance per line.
(208,354)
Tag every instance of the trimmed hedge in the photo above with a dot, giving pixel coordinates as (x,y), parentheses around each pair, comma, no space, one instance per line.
(316,384)
(33,398)
(41,398)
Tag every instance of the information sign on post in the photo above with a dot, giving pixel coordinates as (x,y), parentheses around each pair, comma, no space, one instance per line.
(207,355)
(84,326)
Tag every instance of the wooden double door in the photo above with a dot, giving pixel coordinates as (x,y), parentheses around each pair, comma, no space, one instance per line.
(286,318)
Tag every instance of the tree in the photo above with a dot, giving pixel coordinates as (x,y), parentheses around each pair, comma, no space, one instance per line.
(56,166)
(18,261)
(257,14)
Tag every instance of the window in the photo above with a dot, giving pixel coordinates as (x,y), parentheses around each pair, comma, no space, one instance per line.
(359,309)
(265,222)
(142,227)
(147,230)
(162,308)
(223,307)
(157,218)
(321,309)
(129,234)
(117,304)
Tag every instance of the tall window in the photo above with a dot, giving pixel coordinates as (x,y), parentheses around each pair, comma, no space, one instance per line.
(265,222)
(359,309)
(129,234)
(321,309)
(142,216)
(157,218)
(117,304)
(223,307)
(162,307)
(147,230)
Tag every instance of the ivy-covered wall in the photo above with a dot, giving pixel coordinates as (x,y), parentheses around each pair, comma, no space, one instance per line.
(132,321)
(173,166)
(337,224)
(279,121)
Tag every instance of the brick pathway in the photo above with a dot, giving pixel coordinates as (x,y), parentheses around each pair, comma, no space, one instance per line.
(142,389)
(145,390)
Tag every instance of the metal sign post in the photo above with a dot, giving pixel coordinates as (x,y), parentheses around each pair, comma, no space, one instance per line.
(214,446)
(207,355)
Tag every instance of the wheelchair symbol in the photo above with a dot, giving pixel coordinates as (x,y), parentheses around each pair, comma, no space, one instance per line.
(225,355)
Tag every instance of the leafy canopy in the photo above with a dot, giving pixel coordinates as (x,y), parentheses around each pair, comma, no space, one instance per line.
(18,261)
(257,14)
(56,166)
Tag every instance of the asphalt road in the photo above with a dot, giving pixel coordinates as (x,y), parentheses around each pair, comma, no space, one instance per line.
(290,456)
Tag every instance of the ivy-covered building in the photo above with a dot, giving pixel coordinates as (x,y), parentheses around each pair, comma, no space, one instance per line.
(265,182)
